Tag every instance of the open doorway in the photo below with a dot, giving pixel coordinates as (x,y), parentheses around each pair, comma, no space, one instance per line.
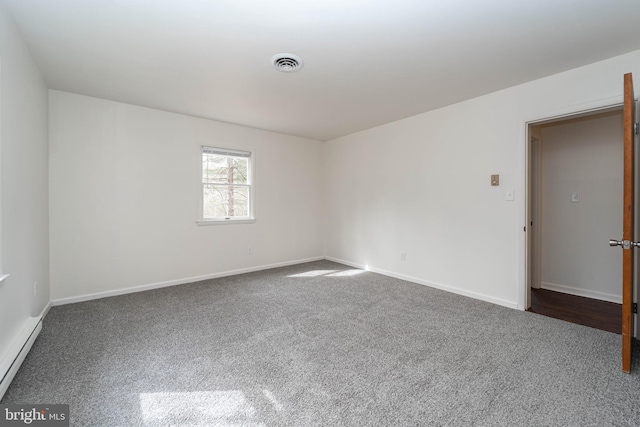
(575,185)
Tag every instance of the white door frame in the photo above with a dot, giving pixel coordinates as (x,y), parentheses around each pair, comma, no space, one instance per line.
(523,241)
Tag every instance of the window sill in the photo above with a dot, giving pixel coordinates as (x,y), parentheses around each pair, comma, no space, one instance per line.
(225,221)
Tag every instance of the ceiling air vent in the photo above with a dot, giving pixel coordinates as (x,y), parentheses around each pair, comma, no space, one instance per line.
(287,62)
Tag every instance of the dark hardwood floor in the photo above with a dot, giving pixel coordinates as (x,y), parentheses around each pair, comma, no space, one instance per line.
(584,311)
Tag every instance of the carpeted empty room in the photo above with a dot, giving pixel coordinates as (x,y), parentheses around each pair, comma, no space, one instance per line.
(322,344)
(319,213)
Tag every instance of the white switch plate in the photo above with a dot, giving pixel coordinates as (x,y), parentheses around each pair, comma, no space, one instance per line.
(508,195)
(575,197)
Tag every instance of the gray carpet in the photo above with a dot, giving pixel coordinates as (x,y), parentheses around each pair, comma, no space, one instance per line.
(312,345)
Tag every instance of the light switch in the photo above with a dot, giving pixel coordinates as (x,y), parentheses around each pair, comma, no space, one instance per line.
(508,196)
(575,197)
(495,180)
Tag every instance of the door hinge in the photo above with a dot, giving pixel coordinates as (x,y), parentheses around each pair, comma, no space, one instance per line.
(635,307)
(636,128)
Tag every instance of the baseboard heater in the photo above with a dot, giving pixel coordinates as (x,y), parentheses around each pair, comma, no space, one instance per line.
(13,357)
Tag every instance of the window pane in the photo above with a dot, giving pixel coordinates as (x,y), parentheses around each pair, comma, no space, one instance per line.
(225,201)
(224,169)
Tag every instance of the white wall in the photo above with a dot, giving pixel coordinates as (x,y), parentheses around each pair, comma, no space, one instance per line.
(124,198)
(583,157)
(120,219)
(24,190)
(421,185)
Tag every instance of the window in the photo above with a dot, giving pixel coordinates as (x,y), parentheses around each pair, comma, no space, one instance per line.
(227,190)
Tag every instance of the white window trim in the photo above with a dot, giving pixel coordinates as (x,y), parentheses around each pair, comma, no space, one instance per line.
(252,193)
(225,221)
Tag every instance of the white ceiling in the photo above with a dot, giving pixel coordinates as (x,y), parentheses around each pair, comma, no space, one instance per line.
(367,62)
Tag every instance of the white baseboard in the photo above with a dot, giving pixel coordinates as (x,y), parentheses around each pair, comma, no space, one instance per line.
(14,355)
(123,291)
(45,310)
(452,289)
(581,292)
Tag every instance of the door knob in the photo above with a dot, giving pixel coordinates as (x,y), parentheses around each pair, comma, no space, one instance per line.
(626,244)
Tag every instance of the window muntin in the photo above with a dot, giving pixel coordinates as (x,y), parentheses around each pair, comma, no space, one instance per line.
(226,184)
